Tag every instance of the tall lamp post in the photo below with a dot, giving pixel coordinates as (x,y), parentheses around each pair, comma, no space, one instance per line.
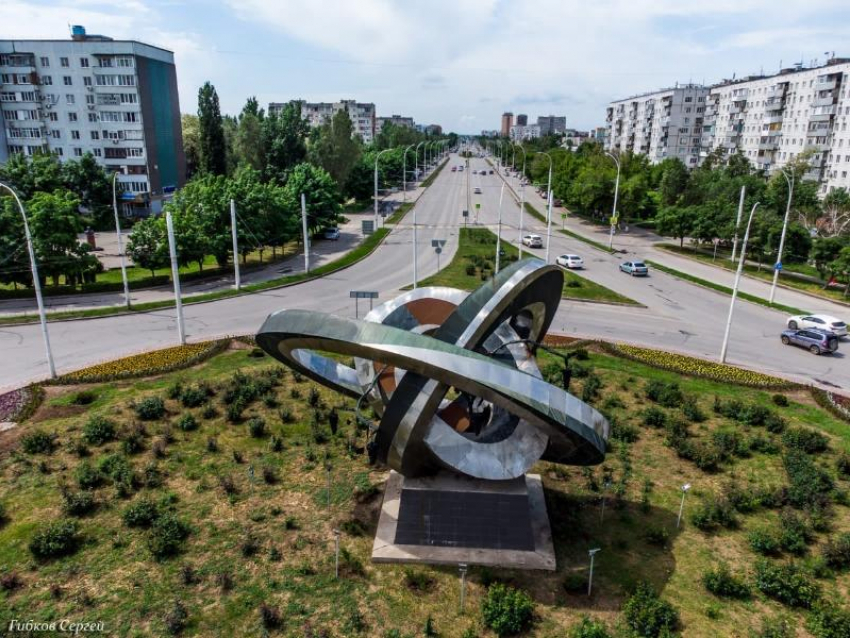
(404,170)
(521,202)
(36,282)
(778,265)
(616,193)
(548,206)
(416,157)
(404,173)
(376,184)
(741,259)
(120,241)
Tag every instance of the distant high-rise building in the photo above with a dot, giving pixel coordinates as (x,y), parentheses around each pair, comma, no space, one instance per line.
(522,119)
(115,99)
(362,114)
(552,124)
(507,123)
(519,133)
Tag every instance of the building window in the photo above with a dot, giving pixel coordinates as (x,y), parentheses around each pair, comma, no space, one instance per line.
(90,99)
(67,80)
(84,62)
(63,62)
(86,81)
(56,134)
(58,150)
(95,135)
(72,117)
(78,152)
(97,152)
(75,135)
(53,116)
(69,98)
(92,117)
(8,97)
(46,80)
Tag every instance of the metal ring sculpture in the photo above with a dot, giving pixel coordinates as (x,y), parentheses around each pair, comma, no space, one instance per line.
(451,375)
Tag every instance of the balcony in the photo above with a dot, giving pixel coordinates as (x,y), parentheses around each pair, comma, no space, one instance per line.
(817,146)
(824,114)
(735,110)
(825,100)
(775,104)
(775,91)
(826,85)
(773,118)
(767,144)
(775,133)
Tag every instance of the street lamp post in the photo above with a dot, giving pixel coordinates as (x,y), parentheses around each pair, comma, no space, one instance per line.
(778,265)
(120,241)
(376,184)
(592,553)
(616,193)
(36,282)
(499,229)
(404,174)
(685,489)
(741,259)
(416,157)
(738,223)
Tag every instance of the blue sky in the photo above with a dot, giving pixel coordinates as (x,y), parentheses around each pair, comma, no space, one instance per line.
(458,63)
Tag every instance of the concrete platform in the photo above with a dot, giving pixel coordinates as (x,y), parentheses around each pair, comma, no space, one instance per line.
(452,511)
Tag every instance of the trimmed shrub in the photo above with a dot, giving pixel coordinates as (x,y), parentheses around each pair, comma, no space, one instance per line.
(828,621)
(667,394)
(648,615)
(805,439)
(194,396)
(714,514)
(654,417)
(780,400)
(167,535)
(150,409)
(38,442)
(764,541)
(142,513)
(77,503)
(87,476)
(187,422)
(257,427)
(506,610)
(721,582)
(589,628)
(55,539)
(836,552)
(809,484)
(788,584)
(98,430)
(794,532)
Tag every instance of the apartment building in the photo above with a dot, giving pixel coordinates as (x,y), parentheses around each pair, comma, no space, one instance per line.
(552,124)
(528,132)
(362,114)
(395,120)
(507,123)
(771,120)
(660,124)
(115,99)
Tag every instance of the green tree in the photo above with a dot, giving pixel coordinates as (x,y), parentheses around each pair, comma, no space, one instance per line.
(93,186)
(14,258)
(284,138)
(212,146)
(29,175)
(824,251)
(676,221)
(191,143)
(335,149)
(674,181)
(249,147)
(322,196)
(148,244)
(841,267)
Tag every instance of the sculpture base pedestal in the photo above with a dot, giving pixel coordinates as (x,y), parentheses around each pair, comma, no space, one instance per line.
(448,519)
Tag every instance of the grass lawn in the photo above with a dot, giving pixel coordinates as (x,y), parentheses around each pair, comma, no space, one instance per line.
(261,532)
(766,273)
(474,262)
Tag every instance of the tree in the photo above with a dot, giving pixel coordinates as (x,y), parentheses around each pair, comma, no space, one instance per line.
(249,148)
(284,138)
(14,258)
(334,149)
(29,175)
(676,221)
(191,143)
(148,244)
(824,251)
(321,194)
(674,181)
(212,146)
(841,266)
(93,186)
(834,218)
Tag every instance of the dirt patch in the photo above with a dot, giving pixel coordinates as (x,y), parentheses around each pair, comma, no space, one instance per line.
(45,412)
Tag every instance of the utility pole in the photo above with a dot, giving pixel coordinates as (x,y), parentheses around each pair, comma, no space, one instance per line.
(304,230)
(741,259)
(499,229)
(614,216)
(738,223)
(175,275)
(120,242)
(592,553)
(778,265)
(549,228)
(685,489)
(36,282)
(521,213)
(237,280)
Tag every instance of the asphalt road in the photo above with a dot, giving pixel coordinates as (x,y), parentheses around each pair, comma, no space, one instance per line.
(678,316)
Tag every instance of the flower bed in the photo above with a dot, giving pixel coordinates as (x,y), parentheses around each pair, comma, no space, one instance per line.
(838,405)
(17,405)
(697,367)
(146,364)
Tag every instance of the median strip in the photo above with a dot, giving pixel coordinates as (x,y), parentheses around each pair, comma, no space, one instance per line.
(725,290)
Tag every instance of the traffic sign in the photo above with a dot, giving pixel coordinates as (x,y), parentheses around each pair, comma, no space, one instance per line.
(465,213)
(778,266)
(478,205)
(437,243)
(362,294)
(438,250)
(367,226)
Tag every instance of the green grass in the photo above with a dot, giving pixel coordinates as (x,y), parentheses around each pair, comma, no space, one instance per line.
(113,577)
(786,278)
(399,213)
(726,291)
(430,179)
(474,262)
(597,245)
(363,250)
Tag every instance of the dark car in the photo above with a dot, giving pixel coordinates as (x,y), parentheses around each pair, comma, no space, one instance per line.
(816,341)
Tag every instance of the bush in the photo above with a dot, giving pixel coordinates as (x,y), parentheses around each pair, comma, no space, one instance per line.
(692,411)
(764,541)
(38,442)
(590,389)
(133,442)
(794,533)
(589,628)
(257,427)
(269,475)
(87,476)
(187,422)
(842,464)
(575,583)
(313,397)
(167,535)
(721,582)
(827,621)
(654,417)
(780,399)
(667,394)
(194,396)
(623,431)
(836,552)
(713,514)
(657,536)
(98,430)
(806,440)
(648,615)
(270,617)
(286,415)
(786,583)
(84,397)
(150,409)
(809,484)
(55,539)
(142,513)
(176,619)
(77,503)
(506,610)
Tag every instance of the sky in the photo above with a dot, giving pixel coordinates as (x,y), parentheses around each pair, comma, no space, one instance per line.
(457,63)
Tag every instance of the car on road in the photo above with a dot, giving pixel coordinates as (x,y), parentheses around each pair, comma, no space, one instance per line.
(557,203)
(814,340)
(491,171)
(821,322)
(474,172)
(454,169)
(477,190)
(331,233)
(460,168)
(570,261)
(634,268)
(533,241)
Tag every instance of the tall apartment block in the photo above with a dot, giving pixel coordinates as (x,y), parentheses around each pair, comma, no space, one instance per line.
(115,99)
(507,123)
(395,120)
(362,114)
(552,124)
(661,124)
(772,119)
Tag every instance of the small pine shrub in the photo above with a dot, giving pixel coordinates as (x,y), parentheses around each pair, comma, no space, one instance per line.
(666,394)
(132,443)
(250,545)
(654,417)
(270,617)
(721,582)
(692,411)
(276,444)
(78,503)
(590,389)
(657,536)
(805,440)
(780,400)
(787,583)
(142,513)
(842,464)
(257,427)
(269,475)
(649,615)
(176,619)
(589,628)
(212,444)
(506,610)
(38,442)
(829,621)
(167,535)
(764,542)
(59,538)
(87,476)
(575,583)
(209,412)
(418,580)
(150,409)
(228,485)
(286,415)
(193,396)
(313,397)
(187,422)
(794,534)
(713,514)
(98,430)
(84,397)
(836,552)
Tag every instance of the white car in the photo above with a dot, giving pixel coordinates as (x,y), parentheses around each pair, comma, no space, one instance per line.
(533,241)
(570,261)
(477,190)
(822,322)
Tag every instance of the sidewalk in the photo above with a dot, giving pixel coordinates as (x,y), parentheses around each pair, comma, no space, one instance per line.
(323,251)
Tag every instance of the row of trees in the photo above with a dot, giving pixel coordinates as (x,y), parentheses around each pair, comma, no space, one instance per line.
(702,203)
